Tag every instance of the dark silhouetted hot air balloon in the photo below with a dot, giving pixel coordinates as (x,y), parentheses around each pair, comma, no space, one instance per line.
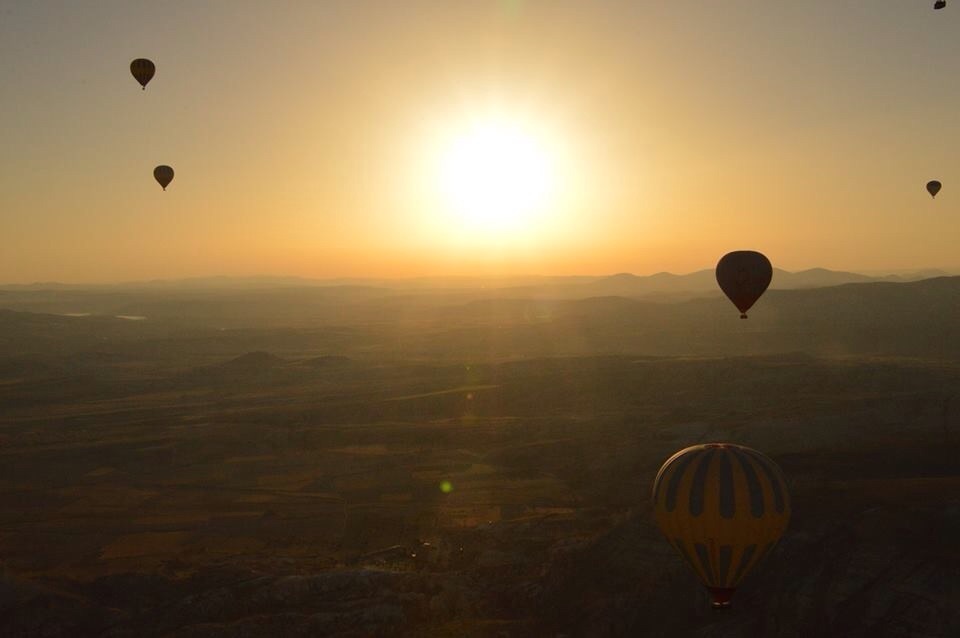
(142,70)
(939,4)
(743,276)
(163,175)
(933,187)
(723,507)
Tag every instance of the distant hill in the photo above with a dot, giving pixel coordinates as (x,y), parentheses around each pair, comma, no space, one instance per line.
(28,332)
(225,302)
(620,283)
(252,361)
(904,319)
(28,368)
(326,361)
(696,283)
(920,318)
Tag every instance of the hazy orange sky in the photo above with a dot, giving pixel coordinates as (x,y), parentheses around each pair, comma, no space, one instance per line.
(305,135)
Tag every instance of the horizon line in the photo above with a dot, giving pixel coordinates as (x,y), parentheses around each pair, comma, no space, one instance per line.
(873,272)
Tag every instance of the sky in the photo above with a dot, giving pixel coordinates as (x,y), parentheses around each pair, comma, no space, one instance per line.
(318,138)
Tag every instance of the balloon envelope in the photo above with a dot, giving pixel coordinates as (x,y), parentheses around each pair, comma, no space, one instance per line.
(142,70)
(743,276)
(933,187)
(723,507)
(163,175)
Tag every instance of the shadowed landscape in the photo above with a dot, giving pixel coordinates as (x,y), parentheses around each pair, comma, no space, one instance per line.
(238,458)
(319,319)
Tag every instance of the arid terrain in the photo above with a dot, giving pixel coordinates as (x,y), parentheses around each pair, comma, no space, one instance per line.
(347,461)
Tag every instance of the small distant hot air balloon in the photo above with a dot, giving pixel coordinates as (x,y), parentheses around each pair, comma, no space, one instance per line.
(723,507)
(939,4)
(743,276)
(933,187)
(164,175)
(142,70)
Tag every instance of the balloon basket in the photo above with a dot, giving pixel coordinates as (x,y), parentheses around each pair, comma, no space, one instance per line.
(720,597)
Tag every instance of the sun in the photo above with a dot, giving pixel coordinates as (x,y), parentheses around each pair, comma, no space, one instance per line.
(497,177)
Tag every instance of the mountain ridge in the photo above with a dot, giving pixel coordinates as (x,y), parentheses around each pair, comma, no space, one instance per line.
(633,283)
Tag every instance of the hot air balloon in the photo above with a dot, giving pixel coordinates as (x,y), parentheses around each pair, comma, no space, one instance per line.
(939,4)
(722,507)
(163,175)
(142,70)
(743,276)
(933,187)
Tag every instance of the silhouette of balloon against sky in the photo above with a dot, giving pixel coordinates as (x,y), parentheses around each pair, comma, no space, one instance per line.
(164,175)
(142,70)
(743,276)
(933,187)
(723,507)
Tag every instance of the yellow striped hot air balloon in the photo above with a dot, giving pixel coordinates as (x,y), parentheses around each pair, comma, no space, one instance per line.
(723,507)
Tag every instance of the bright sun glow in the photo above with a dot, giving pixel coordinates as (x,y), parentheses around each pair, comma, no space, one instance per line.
(497,178)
